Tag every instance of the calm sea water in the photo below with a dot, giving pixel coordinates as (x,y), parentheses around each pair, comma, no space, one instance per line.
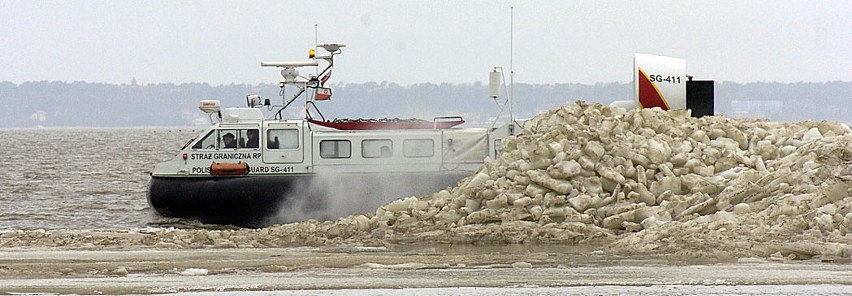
(82,178)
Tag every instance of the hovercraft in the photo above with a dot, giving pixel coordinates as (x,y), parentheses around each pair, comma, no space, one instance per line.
(253,170)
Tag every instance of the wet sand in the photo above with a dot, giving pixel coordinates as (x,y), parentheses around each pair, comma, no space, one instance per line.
(147,271)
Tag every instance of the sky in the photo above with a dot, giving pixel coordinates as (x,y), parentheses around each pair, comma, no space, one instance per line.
(410,42)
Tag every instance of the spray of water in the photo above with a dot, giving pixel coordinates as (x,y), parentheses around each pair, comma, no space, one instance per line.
(328,196)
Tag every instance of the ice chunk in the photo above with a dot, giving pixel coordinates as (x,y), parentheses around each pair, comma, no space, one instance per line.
(194,271)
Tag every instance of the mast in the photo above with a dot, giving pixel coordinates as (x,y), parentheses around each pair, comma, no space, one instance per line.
(495,78)
(316,34)
(511,70)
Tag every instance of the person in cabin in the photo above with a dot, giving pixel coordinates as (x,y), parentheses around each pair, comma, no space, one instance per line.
(228,140)
(273,144)
(252,141)
(385,152)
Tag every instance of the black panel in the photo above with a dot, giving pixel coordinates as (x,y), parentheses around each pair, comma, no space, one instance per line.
(700,97)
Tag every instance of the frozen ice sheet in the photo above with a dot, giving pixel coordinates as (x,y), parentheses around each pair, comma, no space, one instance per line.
(561,291)
(425,271)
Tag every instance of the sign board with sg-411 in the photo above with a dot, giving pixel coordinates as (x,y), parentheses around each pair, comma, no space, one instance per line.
(659,81)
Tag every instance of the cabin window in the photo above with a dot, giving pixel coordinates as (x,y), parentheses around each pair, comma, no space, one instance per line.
(376,148)
(418,148)
(335,149)
(282,139)
(219,139)
(249,138)
(228,139)
(207,142)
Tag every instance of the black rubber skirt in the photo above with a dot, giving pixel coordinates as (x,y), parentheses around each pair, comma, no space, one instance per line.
(260,201)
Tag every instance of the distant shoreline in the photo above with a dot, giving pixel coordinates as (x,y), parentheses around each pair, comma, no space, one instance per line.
(81,104)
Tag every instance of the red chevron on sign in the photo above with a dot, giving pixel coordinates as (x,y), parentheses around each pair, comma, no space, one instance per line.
(649,94)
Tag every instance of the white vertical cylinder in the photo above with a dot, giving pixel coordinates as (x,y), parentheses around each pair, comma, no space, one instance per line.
(494,84)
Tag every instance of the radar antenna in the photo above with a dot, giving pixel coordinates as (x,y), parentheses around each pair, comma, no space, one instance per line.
(291,75)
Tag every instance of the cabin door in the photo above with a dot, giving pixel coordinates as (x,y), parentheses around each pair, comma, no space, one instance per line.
(283,145)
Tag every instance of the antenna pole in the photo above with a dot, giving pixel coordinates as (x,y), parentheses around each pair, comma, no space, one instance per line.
(316,69)
(511,70)
(316,73)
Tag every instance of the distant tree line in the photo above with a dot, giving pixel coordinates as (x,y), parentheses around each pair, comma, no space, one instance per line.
(52,103)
